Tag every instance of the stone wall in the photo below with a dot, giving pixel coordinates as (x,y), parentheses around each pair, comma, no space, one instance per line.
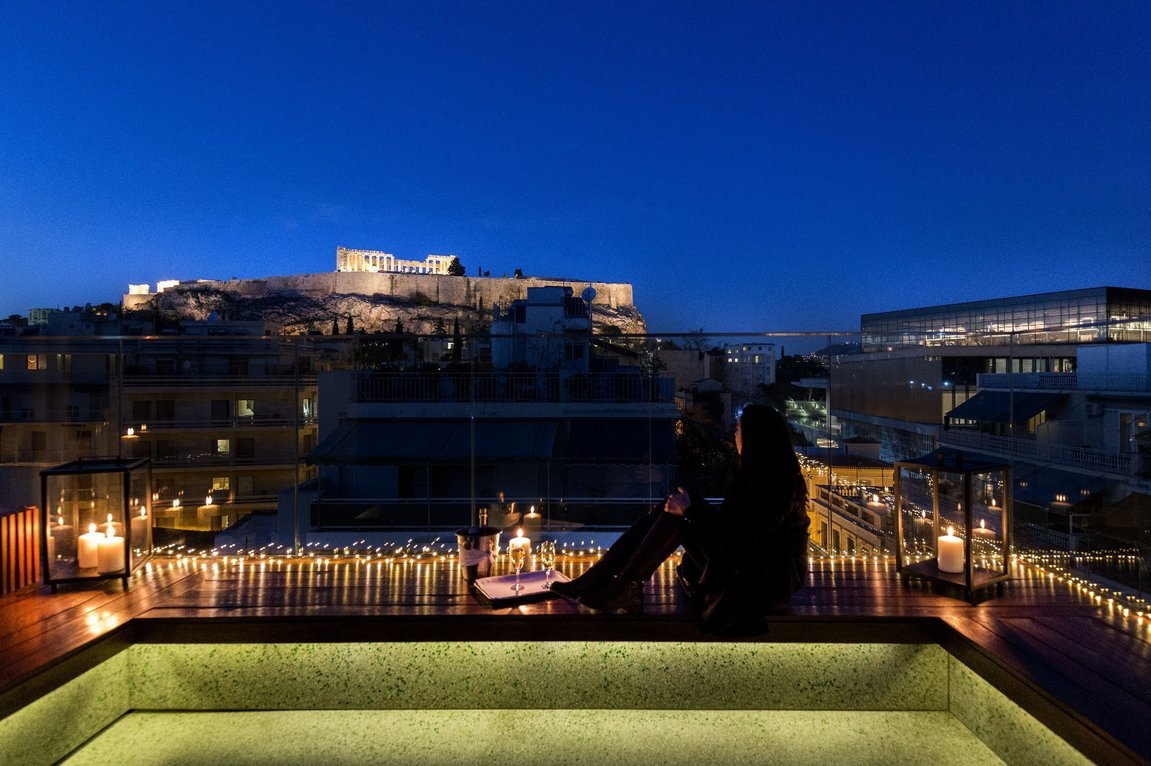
(456,291)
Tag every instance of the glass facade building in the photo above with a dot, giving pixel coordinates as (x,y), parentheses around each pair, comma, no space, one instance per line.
(1091,315)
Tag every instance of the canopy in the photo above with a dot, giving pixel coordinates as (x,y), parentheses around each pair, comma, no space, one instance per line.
(997,406)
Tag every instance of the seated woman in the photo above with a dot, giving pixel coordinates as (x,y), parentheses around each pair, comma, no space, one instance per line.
(742,560)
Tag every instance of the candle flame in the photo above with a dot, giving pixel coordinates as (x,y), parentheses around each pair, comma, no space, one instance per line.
(951,531)
(982,524)
(519,533)
(60,521)
(92,527)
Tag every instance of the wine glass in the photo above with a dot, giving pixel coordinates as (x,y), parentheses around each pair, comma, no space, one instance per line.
(548,559)
(519,554)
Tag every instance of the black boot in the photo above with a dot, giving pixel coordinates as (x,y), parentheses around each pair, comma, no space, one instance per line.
(621,595)
(573,589)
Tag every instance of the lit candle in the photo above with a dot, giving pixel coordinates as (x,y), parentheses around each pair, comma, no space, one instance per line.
(110,555)
(519,541)
(140,529)
(950,552)
(89,551)
(61,535)
(983,531)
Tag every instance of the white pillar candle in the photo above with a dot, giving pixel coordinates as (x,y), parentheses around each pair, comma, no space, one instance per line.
(950,552)
(519,541)
(51,549)
(983,531)
(111,554)
(87,555)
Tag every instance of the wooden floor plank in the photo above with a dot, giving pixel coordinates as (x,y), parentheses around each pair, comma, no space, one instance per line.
(1052,633)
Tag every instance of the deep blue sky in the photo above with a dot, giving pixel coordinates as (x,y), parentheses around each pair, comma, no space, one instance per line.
(746,165)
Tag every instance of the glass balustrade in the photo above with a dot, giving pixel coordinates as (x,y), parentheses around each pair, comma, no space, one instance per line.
(293,440)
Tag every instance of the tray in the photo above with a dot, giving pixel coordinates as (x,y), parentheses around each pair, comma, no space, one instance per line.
(499,589)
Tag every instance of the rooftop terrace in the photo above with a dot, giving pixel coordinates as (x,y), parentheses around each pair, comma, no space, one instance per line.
(1071,658)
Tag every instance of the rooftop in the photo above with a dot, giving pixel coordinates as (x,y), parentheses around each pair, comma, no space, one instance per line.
(1067,654)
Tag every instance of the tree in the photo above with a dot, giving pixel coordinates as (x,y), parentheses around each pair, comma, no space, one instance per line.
(349,330)
(457,343)
(455,268)
(336,326)
(519,274)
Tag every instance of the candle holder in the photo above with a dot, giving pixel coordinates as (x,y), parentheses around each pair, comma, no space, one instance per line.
(96,519)
(952,522)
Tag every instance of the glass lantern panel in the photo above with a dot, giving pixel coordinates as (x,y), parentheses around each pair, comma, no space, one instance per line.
(989,521)
(918,520)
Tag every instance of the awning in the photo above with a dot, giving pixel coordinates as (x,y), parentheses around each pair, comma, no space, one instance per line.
(997,407)
(1042,486)
(404,439)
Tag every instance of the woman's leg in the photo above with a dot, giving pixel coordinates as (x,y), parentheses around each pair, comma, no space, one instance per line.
(613,560)
(625,591)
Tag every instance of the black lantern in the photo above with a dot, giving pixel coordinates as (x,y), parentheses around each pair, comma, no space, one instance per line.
(952,520)
(96,519)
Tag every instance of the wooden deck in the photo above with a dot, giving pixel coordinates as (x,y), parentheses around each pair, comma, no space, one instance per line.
(1073,660)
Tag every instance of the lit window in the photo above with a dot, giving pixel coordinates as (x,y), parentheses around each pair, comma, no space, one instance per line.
(245,408)
(37,361)
(221,484)
(223,446)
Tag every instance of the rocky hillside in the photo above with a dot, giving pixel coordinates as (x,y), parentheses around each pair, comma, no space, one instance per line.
(301,307)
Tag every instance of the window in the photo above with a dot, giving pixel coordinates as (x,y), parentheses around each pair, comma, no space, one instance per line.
(37,361)
(220,409)
(141,410)
(309,408)
(64,363)
(222,447)
(221,484)
(246,449)
(166,449)
(72,411)
(166,410)
(1,361)
(245,408)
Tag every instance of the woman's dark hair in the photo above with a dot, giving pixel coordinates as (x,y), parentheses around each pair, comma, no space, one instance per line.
(768,468)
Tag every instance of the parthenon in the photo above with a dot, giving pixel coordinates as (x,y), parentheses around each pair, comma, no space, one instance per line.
(378,261)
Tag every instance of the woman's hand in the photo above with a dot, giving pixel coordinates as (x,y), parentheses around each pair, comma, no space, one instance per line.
(678,503)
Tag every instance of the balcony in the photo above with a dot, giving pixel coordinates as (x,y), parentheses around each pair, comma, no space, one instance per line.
(623,387)
(1116,465)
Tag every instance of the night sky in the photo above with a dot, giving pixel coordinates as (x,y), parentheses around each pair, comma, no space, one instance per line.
(748,166)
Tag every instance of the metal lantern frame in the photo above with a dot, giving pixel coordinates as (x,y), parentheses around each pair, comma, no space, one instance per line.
(123,510)
(938,463)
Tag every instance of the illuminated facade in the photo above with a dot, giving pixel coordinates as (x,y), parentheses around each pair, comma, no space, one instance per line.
(1091,315)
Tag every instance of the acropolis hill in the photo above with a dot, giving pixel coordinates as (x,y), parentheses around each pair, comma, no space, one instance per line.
(373,301)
